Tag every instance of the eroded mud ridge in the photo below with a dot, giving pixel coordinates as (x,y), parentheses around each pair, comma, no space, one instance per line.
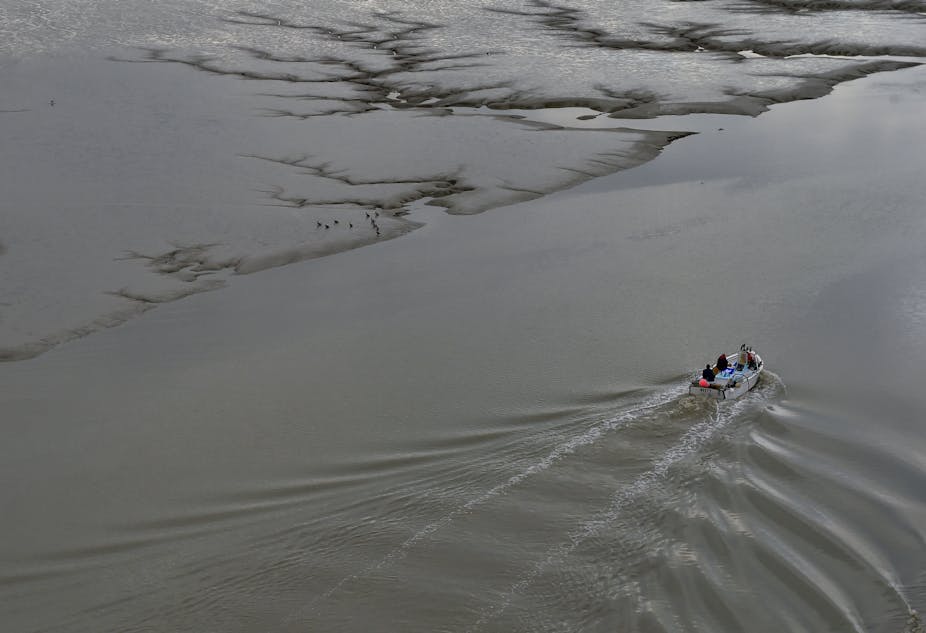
(370,112)
(391,60)
(397,69)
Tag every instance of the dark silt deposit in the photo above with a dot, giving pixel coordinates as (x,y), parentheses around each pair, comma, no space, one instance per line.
(466,258)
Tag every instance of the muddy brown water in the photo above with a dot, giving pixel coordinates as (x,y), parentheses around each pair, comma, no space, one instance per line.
(483,426)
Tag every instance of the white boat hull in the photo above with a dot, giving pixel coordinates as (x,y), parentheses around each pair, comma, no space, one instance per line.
(730,384)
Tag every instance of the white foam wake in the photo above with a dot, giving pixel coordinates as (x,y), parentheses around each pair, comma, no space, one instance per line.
(587,438)
(692,441)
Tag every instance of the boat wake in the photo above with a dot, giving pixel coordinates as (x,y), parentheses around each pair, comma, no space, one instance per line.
(670,406)
(689,444)
(645,408)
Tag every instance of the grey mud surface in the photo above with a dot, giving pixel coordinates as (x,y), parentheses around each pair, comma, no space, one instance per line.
(327,128)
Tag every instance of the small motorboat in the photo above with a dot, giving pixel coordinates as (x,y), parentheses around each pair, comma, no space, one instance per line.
(741,375)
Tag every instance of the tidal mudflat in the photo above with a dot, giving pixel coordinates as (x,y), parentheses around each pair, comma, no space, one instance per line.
(480,424)
(154,152)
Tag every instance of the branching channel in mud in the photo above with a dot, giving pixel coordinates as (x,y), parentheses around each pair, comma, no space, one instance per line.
(371,113)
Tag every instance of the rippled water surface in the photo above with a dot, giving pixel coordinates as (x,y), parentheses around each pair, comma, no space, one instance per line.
(482,424)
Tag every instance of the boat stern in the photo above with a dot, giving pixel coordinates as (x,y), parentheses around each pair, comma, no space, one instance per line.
(710,392)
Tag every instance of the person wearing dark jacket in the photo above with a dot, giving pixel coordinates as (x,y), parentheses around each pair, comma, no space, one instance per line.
(722,363)
(708,374)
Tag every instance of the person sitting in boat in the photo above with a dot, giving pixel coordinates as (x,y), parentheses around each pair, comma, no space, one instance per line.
(741,360)
(722,363)
(751,360)
(708,374)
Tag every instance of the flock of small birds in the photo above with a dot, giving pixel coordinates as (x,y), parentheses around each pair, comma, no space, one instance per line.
(318,223)
(370,216)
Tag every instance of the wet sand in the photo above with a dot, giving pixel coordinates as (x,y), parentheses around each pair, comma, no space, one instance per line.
(158,185)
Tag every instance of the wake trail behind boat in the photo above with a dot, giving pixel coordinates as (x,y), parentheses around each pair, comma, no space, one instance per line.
(651,403)
(690,443)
